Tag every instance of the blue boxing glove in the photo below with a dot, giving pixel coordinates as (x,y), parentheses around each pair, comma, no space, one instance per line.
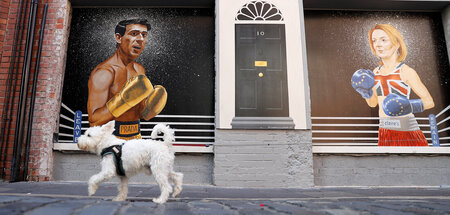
(397,105)
(363,81)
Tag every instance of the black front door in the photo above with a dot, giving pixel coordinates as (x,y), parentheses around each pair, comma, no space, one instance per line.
(261,82)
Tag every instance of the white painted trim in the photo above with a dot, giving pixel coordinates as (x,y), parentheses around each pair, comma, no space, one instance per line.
(185,116)
(359,118)
(194,149)
(345,131)
(345,138)
(225,61)
(180,149)
(258,22)
(179,123)
(304,67)
(379,150)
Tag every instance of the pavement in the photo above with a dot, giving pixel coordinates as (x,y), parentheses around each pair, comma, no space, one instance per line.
(71,198)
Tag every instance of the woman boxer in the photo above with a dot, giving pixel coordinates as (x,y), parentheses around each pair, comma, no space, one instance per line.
(389,86)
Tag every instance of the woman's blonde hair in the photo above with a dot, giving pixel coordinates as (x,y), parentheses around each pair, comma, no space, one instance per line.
(395,37)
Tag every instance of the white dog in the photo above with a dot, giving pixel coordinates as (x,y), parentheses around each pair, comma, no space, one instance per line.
(149,156)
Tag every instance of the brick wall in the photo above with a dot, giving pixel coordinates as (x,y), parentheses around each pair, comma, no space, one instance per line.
(263,158)
(50,79)
(4,9)
(9,15)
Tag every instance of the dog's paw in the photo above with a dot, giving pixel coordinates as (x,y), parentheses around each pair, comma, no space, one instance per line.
(147,171)
(92,189)
(159,200)
(119,199)
(176,192)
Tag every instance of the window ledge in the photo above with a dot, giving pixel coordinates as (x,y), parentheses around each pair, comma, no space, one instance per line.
(177,149)
(379,150)
(262,123)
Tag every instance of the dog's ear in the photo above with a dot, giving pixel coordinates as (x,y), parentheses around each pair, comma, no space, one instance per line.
(109,127)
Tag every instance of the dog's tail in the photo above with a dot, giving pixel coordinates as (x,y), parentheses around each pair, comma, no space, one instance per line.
(168,136)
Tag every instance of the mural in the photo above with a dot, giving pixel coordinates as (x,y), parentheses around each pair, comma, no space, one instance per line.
(179,54)
(131,64)
(118,87)
(402,77)
(389,87)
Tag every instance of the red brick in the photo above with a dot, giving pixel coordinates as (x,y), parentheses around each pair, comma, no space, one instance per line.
(51,64)
(51,16)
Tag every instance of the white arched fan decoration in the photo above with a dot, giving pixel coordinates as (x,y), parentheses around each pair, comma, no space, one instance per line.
(259,11)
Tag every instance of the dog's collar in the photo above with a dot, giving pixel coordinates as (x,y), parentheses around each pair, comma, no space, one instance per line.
(116,150)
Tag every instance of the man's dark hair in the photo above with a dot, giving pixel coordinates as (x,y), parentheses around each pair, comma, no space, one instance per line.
(122,25)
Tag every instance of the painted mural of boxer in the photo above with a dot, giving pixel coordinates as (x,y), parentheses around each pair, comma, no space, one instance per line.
(118,87)
(389,86)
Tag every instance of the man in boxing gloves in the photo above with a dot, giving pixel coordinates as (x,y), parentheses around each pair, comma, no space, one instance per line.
(118,87)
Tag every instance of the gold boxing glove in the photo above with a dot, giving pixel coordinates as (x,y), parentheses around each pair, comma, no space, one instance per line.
(155,103)
(134,91)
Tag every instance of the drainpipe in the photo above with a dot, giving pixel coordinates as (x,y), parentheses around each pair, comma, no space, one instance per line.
(33,93)
(19,132)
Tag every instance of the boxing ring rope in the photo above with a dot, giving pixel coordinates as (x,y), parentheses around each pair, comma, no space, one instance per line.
(363,131)
(190,130)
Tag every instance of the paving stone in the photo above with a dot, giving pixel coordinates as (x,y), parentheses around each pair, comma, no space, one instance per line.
(100,207)
(261,211)
(207,207)
(315,204)
(144,208)
(61,208)
(246,207)
(421,210)
(367,206)
(204,200)
(284,207)
(205,204)
(435,205)
(26,204)
(177,208)
(9,199)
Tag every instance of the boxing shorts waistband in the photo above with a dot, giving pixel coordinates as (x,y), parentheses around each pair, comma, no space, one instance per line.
(128,130)
(404,123)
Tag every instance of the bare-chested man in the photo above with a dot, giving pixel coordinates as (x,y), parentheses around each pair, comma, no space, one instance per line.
(118,87)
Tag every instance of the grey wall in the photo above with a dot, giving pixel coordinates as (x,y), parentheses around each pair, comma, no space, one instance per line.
(381,170)
(263,158)
(197,168)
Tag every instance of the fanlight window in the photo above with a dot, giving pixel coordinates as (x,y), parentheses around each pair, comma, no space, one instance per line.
(259,11)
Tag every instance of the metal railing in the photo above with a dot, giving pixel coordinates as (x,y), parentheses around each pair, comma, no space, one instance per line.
(363,131)
(190,130)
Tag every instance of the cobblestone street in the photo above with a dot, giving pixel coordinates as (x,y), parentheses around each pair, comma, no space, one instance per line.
(71,198)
